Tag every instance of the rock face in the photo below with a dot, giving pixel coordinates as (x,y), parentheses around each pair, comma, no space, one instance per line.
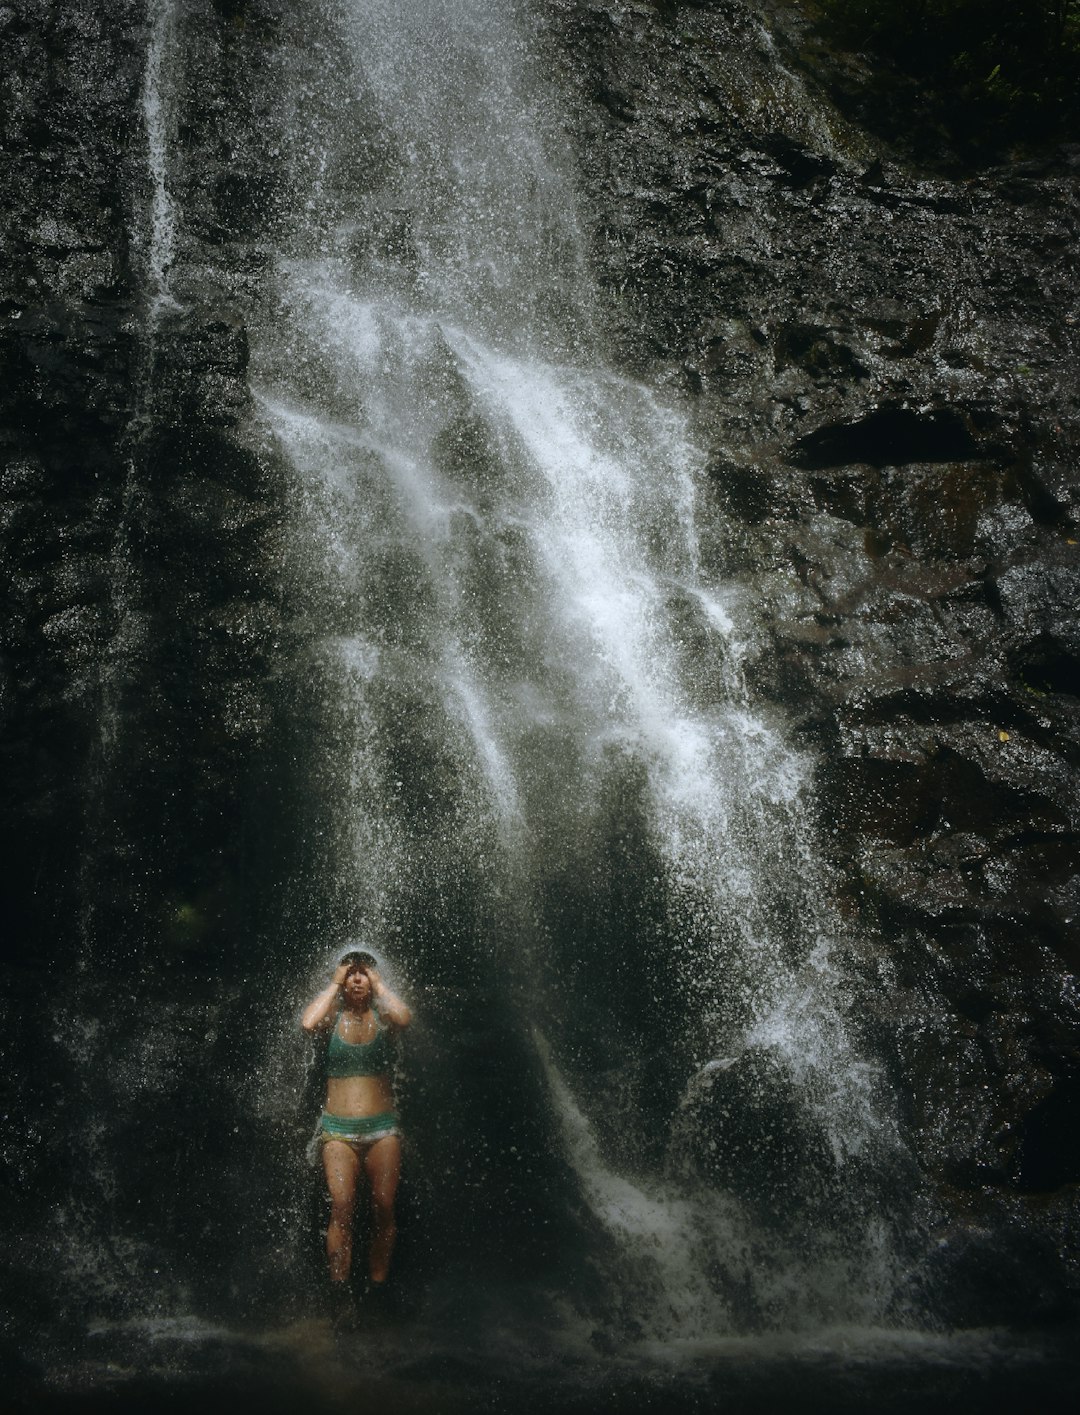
(136,528)
(140,577)
(882,367)
(68,304)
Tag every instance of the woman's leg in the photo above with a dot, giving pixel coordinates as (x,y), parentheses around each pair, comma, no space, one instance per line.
(342,1168)
(382,1164)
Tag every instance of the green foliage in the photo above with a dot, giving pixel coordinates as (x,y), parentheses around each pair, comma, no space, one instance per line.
(1004,69)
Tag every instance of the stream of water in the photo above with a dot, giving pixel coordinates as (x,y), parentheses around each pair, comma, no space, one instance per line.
(497,550)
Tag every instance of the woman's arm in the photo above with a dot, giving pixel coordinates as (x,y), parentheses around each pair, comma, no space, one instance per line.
(318,1012)
(390,1005)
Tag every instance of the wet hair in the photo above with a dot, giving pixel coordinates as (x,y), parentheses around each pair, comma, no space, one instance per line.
(357,958)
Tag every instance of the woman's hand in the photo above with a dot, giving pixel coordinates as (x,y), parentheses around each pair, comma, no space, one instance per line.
(320,1012)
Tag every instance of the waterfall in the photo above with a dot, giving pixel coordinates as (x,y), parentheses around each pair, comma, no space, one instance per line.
(161,227)
(158,239)
(520,650)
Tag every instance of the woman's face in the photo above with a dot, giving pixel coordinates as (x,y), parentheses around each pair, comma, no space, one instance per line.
(357,987)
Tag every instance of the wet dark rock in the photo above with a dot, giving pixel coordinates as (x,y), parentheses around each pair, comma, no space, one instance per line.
(998,1269)
(753,493)
(747,1130)
(138,537)
(67,349)
(883,365)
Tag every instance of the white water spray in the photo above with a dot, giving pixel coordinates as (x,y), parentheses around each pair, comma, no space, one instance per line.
(496,539)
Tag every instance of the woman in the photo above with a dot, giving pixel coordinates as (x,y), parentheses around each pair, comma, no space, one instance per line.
(359,1127)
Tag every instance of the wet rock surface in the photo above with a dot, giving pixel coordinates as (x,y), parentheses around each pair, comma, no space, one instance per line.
(67,306)
(882,363)
(140,598)
(138,532)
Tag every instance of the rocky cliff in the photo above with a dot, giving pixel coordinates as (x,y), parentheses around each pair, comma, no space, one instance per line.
(883,364)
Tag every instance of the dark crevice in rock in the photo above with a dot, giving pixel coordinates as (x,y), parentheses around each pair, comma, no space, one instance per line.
(892,436)
(801,167)
(1047,665)
(1047,1153)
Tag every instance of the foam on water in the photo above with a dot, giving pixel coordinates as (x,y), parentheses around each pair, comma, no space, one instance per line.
(660,1232)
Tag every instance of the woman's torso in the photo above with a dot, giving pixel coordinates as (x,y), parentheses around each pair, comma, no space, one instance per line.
(359,1044)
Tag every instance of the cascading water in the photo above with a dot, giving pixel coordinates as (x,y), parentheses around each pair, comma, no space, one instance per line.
(528,694)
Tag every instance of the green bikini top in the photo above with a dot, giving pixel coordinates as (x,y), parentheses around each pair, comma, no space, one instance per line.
(372,1058)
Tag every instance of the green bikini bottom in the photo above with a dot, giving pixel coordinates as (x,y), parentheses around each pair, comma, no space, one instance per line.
(358,1127)
(358,1131)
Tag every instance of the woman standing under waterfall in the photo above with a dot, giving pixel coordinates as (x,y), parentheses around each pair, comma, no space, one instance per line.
(358,1130)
